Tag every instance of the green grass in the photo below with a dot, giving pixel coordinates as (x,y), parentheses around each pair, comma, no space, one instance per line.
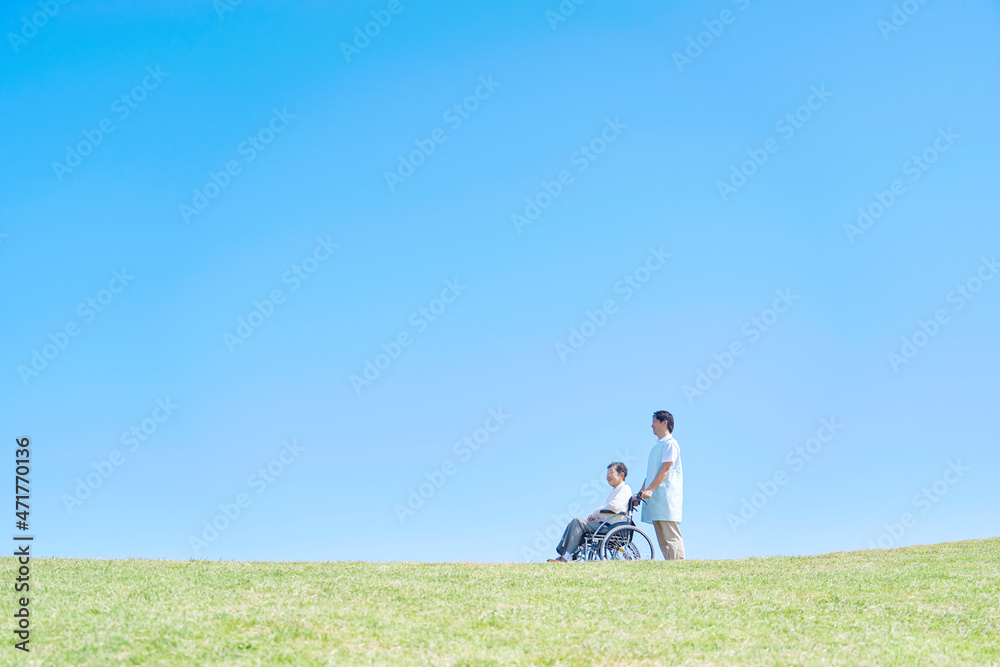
(924,605)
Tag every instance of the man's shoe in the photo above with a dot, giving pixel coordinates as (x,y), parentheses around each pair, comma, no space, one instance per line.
(556,560)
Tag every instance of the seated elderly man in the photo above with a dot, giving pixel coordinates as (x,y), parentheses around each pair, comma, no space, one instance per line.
(612,511)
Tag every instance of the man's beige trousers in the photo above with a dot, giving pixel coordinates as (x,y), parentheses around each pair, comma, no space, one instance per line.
(668,534)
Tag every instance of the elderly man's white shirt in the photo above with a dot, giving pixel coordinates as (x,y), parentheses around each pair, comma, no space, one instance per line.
(617,500)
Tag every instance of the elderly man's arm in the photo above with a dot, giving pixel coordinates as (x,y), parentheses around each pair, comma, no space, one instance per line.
(596,513)
(618,503)
(647,491)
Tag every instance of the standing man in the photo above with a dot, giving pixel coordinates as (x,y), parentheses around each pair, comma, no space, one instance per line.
(664,488)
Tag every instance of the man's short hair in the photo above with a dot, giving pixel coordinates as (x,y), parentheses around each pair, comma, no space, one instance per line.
(664,416)
(619,468)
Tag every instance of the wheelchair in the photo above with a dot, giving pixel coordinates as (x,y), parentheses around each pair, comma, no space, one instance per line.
(621,540)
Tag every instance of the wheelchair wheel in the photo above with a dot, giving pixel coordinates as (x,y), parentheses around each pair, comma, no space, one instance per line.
(626,543)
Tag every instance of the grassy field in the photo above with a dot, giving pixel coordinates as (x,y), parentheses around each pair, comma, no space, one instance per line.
(927,605)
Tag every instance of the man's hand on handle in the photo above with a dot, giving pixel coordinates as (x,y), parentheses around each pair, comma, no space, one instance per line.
(660,476)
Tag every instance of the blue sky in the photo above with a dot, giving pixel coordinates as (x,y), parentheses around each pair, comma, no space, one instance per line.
(621,143)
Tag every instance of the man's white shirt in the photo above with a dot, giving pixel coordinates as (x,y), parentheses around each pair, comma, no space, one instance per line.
(671,450)
(617,499)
